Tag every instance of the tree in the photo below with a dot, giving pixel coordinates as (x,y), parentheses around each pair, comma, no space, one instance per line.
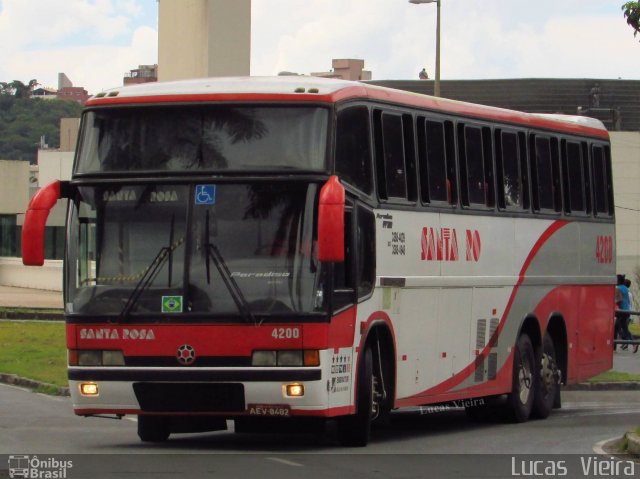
(24,120)
(632,14)
(21,90)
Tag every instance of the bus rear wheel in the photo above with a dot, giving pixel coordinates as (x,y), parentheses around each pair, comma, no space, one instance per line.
(524,380)
(355,430)
(153,428)
(547,386)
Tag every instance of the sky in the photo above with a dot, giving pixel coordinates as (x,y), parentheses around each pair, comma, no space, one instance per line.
(96,41)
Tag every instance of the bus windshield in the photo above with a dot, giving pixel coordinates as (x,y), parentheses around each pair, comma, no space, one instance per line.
(203,138)
(235,250)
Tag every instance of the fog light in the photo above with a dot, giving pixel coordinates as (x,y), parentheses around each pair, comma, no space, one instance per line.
(89,389)
(295,390)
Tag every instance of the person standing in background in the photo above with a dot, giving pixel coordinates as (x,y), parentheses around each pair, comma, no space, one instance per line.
(622,304)
(627,283)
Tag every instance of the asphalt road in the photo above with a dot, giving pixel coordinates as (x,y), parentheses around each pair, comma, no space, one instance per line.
(33,424)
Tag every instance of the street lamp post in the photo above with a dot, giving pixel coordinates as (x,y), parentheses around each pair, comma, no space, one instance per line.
(436,84)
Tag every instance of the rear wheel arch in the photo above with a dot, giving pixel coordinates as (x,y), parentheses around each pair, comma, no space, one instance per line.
(531,327)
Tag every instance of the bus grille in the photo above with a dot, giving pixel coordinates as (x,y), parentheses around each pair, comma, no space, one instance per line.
(190,397)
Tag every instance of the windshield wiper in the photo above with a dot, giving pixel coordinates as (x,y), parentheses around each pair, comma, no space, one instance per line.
(214,254)
(150,273)
(142,284)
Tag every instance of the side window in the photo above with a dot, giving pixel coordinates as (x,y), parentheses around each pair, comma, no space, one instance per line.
(433,161)
(600,181)
(542,175)
(392,174)
(410,157)
(510,187)
(353,148)
(343,273)
(476,167)
(366,251)
(572,166)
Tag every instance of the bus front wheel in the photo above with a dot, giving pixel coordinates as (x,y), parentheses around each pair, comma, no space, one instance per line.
(355,430)
(153,428)
(524,380)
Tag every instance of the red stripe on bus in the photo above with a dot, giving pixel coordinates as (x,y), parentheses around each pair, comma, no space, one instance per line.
(465,373)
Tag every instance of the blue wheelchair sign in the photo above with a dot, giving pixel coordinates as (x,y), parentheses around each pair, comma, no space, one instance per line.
(205,194)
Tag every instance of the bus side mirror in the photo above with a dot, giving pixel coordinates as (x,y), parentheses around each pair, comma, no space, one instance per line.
(331,222)
(35,220)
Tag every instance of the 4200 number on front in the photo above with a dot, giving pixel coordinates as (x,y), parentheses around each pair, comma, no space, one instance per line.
(285,333)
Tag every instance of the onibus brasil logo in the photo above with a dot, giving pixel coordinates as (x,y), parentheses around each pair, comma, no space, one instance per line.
(36,468)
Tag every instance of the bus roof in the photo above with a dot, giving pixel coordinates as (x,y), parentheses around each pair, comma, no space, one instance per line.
(329,90)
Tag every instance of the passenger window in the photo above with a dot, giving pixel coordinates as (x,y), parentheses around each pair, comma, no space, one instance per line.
(353,148)
(511,181)
(544,198)
(573,178)
(433,162)
(600,181)
(393,156)
(474,173)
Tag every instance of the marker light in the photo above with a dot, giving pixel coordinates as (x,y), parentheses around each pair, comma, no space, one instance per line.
(311,357)
(89,389)
(294,390)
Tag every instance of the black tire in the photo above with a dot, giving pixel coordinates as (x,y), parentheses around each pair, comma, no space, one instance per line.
(355,430)
(153,428)
(525,377)
(548,387)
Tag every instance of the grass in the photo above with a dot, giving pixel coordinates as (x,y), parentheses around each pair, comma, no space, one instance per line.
(614,377)
(34,350)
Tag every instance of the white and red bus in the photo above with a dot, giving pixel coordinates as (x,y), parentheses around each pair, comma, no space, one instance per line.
(278,248)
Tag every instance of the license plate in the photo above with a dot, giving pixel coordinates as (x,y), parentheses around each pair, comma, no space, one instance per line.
(271,410)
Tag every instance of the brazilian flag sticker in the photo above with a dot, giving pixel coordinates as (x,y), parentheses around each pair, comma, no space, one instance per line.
(172,304)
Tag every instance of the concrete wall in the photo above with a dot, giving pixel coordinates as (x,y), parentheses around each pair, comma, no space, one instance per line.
(625,153)
(47,277)
(203,38)
(14,187)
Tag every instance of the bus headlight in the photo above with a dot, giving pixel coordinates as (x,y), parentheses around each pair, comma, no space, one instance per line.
(95,357)
(263,358)
(287,358)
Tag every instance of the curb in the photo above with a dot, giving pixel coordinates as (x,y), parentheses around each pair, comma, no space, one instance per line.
(32,315)
(634,443)
(14,380)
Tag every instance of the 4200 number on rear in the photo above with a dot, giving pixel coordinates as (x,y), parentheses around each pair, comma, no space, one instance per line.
(285,333)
